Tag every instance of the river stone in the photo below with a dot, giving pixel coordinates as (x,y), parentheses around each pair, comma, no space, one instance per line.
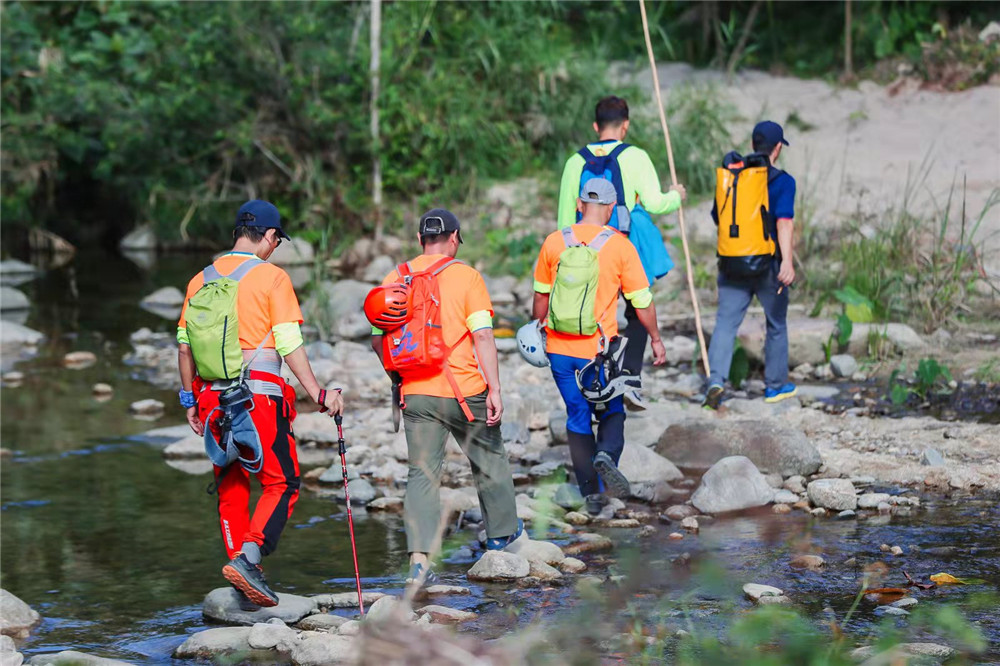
(836,494)
(445,615)
(15,335)
(497,565)
(191,447)
(543,571)
(385,608)
(294,252)
(147,407)
(378,269)
(843,365)
(222,604)
(872,500)
(387,504)
(164,297)
(13,299)
(219,642)
(360,490)
(642,465)
(795,484)
(77,360)
(345,599)
(568,496)
(446,590)
(73,658)
(902,337)
(140,238)
(572,565)
(17,618)
(11,267)
(768,443)
(557,426)
(322,622)
(320,648)
(536,551)
(272,635)
(806,562)
(932,458)
(679,512)
(338,308)
(732,484)
(899,652)
(513,432)
(755,591)
(785,497)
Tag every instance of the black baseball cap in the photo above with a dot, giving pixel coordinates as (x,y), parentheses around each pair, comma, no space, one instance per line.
(260,214)
(439,221)
(768,133)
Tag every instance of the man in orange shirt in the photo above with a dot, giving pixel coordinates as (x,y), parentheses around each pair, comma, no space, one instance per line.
(432,409)
(594,459)
(268,318)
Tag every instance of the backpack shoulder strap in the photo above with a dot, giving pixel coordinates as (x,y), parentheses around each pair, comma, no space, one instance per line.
(600,239)
(569,237)
(773,173)
(586,154)
(211,273)
(442,264)
(619,149)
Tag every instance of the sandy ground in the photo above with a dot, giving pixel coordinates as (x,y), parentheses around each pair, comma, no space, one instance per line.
(867,146)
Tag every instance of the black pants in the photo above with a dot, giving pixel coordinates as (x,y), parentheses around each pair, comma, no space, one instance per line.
(637,337)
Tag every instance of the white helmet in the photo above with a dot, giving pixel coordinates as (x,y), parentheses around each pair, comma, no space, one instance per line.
(603,378)
(531,343)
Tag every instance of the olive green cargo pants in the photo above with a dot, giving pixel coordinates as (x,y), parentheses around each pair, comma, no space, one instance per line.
(427,420)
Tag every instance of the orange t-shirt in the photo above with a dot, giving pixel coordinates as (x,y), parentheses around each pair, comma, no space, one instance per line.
(621,270)
(463,293)
(265,299)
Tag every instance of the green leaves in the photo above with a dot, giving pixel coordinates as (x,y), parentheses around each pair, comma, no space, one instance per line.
(858,307)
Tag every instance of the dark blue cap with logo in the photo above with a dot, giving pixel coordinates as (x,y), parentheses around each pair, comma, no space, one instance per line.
(260,214)
(768,133)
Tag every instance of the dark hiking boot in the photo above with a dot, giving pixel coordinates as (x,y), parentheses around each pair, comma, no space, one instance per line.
(249,579)
(614,481)
(499,543)
(713,398)
(244,601)
(595,503)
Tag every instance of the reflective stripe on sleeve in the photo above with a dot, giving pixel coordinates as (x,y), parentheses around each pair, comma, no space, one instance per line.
(543,288)
(182,336)
(640,299)
(287,337)
(479,320)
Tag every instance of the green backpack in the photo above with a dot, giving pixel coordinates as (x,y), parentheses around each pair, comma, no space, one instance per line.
(572,303)
(212,324)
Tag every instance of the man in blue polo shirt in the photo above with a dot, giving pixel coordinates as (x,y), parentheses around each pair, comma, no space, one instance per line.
(771,288)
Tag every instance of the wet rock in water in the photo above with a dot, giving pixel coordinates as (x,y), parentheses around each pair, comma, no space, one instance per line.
(321,648)
(536,551)
(589,543)
(843,365)
(646,531)
(836,494)
(732,484)
(148,407)
(386,608)
(544,470)
(361,491)
(322,622)
(345,599)
(642,465)
(102,390)
(191,447)
(679,512)
(9,656)
(890,610)
(905,602)
(223,605)
(79,360)
(898,653)
(557,426)
(781,509)
(806,562)
(13,379)
(140,238)
(768,443)
(72,658)
(675,536)
(15,335)
(568,496)
(795,484)
(764,594)
(785,497)
(932,458)
(576,518)
(13,299)
(690,524)
(18,618)
(871,500)
(819,512)
(498,565)
(846,514)
(572,565)
(543,571)
(445,590)
(272,635)
(219,642)
(386,504)
(623,523)
(445,615)
(164,297)
(896,550)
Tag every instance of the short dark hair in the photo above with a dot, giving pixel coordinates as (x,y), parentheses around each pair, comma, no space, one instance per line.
(762,146)
(253,234)
(610,110)
(436,238)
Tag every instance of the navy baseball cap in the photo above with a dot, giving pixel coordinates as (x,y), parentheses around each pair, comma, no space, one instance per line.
(439,221)
(768,133)
(260,214)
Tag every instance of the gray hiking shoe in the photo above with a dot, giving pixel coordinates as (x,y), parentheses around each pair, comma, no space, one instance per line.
(614,481)
(595,503)
(634,401)
(249,579)
(713,398)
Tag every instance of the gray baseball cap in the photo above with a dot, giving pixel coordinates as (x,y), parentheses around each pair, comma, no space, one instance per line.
(598,191)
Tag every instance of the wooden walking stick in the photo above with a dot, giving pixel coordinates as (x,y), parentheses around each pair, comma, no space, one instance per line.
(673,179)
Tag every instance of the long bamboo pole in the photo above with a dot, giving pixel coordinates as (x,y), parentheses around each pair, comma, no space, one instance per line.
(673,179)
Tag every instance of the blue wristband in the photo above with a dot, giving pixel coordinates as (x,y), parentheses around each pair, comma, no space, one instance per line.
(187,399)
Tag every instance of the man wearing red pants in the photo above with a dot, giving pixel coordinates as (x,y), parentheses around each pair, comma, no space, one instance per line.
(245,411)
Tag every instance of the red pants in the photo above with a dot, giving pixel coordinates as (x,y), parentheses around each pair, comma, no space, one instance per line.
(279,476)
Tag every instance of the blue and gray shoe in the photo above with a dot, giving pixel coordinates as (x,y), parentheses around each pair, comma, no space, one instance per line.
(614,481)
(500,543)
(421,575)
(777,395)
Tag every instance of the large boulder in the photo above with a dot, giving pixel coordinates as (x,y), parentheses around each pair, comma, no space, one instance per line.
(232,643)
(732,484)
(537,551)
(337,309)
(13,299)
(497,565)
(379,267)
(836,494)
(295,252)
(16,617)
(771,445)
(223,605)
(902,337)
(642,465)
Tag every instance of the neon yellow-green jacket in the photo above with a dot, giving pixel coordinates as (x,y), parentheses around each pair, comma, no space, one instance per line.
(638,178)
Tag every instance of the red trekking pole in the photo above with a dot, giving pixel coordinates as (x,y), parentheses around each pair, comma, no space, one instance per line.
(339,420)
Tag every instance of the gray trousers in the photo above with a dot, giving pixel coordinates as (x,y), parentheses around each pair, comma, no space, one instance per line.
(427,420)
(734,299)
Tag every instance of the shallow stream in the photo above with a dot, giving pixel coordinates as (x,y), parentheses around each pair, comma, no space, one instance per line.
(116,549)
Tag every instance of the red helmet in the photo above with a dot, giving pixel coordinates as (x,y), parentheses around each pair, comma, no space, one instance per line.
(388,307)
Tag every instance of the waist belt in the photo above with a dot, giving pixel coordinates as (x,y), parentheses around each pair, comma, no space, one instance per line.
(265,360)
(256,386)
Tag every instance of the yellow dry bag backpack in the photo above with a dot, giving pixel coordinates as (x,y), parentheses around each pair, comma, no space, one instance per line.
(747,245)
